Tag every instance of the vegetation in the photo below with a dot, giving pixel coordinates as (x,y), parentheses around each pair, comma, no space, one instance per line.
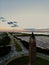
(41,35)
(10,43)
(18,48)
(25,44)
(44,51)
(4,50)
(4,39)
(3,34)
(4,44)
(24,61)
(41,61)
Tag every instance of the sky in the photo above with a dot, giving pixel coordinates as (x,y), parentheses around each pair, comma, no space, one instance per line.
(28,13)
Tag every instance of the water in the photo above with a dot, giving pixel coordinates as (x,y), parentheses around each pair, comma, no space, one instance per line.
(37,33)
(41,41)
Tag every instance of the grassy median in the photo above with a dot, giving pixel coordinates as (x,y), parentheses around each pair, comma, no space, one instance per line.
(18,48)
(24,61)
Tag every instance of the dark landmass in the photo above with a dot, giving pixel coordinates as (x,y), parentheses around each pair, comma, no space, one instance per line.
(4,50)
(4,44)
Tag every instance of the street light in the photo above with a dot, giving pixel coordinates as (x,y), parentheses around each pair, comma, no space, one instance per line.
(32,50)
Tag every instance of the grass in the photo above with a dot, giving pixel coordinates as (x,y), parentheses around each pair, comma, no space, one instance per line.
(41,61)
(18,48)
(24,61)
(10,42)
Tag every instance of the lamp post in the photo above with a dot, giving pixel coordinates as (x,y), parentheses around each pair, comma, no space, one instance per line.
(32,50)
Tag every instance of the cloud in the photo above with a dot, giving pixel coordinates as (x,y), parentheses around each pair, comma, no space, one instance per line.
(12,23)
(2,18)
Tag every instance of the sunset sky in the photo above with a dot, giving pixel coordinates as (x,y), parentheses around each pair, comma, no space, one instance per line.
(28,13)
